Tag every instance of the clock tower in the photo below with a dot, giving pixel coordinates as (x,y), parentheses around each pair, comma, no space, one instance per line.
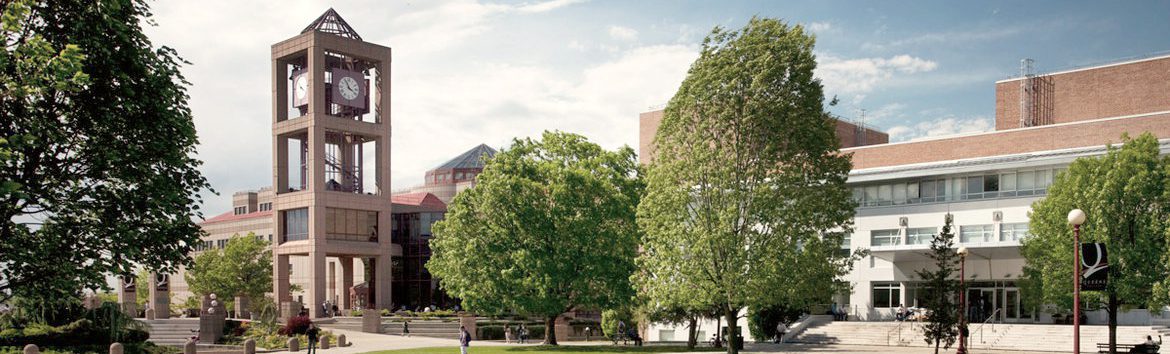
(331,165)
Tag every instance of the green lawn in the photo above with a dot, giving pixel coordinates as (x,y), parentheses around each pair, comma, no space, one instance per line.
(545,349)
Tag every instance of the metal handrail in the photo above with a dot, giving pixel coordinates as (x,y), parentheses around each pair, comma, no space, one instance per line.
(985,322)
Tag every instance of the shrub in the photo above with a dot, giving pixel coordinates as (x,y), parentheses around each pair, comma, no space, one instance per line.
(385,312)
(296,325)
(355,313)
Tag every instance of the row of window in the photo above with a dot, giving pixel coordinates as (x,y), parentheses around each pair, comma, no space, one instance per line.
(458,176)
(220,244)
(934,189)
(923,235)
(266,206)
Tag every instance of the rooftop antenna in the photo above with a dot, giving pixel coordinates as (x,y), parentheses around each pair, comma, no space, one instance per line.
(1026,104)
(861,129)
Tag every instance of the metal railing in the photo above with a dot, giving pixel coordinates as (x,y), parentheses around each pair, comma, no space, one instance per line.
(984,324)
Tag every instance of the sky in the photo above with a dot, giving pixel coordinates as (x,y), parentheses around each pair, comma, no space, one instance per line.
(466,72)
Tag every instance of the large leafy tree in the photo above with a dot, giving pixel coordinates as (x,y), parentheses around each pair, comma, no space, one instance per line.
(1126,195)
(242,268)
(940,289)
(549,227)
(746,202)
(100,174)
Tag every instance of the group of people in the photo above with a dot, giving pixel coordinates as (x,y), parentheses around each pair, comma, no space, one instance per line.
(628,334)
(520,335)
(837,312)
(329,309)
(903,313)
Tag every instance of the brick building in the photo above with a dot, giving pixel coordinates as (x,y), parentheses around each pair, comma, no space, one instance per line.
(987,180)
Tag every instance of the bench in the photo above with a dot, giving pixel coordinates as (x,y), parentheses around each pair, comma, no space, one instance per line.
(1129,348)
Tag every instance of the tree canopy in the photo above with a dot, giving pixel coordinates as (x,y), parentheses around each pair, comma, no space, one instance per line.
(242,268)
(1126,195)
(548,227)
(746,204)
(98,173)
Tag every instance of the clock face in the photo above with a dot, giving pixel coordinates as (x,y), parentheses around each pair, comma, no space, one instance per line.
(349,88)
(301,87)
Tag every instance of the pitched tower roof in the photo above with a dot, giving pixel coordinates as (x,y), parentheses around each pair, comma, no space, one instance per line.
(469,159)
(332,23)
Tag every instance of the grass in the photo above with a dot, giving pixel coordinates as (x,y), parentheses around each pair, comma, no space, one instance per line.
(548,349)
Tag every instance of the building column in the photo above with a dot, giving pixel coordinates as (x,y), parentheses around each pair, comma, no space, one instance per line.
(332,293)
(346,282)
(280,283)
(316,290)
(382,281)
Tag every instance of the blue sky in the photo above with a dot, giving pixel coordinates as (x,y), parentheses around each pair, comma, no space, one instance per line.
(469,72)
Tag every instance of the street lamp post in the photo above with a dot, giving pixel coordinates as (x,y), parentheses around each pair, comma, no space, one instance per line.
(962,300)
(1076,217)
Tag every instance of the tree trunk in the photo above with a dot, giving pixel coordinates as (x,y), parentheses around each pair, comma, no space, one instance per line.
(936,346)
(732,331)
(692,339)
(1112,312)
(550,330)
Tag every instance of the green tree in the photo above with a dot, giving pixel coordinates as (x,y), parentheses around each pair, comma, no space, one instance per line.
(1126,195)
(99,174)
(242,268)
(549,227)
(940,289)
(747,179)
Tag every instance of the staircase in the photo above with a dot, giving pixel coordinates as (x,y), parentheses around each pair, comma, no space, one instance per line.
(1027,337)
(393,326)
(174,331)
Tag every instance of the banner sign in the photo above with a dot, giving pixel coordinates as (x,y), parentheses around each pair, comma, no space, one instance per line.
(1094,266)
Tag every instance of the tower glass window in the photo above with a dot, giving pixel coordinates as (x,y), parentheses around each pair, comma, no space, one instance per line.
(889,237)
(296,225)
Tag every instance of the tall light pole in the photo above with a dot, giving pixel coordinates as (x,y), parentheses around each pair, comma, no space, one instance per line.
(962,300)
(1076,217)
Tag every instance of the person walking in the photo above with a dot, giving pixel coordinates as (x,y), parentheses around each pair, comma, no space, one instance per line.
(464,339)
(406,328)
(312,334)
(523,334)
(507,334)
(780,330)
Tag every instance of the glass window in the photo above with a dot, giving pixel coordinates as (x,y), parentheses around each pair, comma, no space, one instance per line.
(912,191)
(296,224)
(847,241)
(1007,182)
(1043,179)
(1026,180)
(974,188)
(927,190)
(885,194)
(885,237)
(886,295)
(1013,232)
(920,235)
(976,233)
(900,193)
(859,195)
(991,183)
(666,335)
(871,195)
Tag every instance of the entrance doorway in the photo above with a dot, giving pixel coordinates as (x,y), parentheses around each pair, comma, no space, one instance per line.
(1000,302)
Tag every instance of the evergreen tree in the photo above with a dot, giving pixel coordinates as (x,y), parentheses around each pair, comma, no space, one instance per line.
(940,289)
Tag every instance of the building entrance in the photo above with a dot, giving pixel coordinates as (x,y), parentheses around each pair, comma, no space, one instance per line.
(995,302)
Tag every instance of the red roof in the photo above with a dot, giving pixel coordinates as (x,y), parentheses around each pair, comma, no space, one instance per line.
(423,200)
(231,216)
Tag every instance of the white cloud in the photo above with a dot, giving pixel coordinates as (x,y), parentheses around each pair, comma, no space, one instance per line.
(545,6)
(820,27)
(941,127)
(622,33)
(859,76)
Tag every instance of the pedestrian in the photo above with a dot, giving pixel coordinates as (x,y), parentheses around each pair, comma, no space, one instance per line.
(464,339)
(780,330)
(325,309)
(523,334)
(406,328)
(507,333)
(335,310)
(312,334)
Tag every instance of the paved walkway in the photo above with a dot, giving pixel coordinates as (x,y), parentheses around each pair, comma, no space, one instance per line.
(369,342)
(362,342)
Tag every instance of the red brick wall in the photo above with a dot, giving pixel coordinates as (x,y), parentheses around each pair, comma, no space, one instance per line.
(1049,137)
(1111,91)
